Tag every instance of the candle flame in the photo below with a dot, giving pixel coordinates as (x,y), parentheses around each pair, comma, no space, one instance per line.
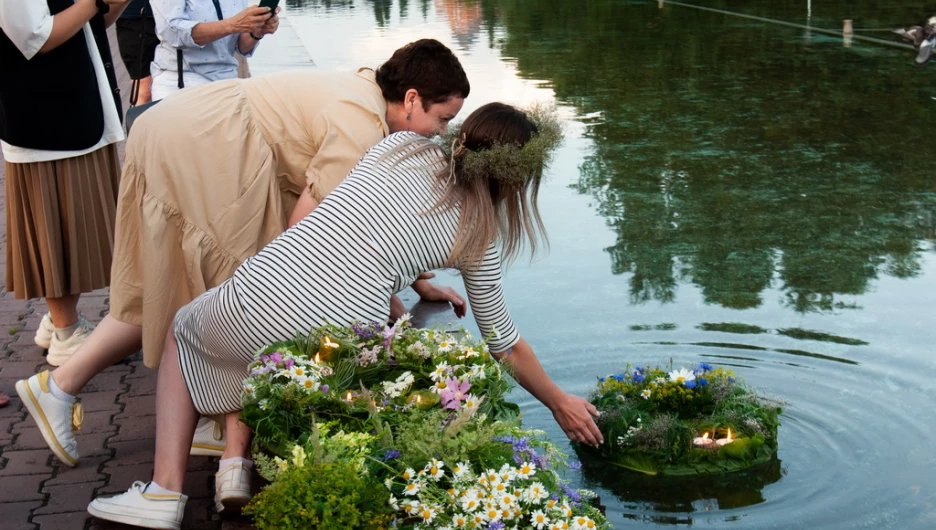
(705,436)
(418,398)
(318,358)
(729,435)
(349,396)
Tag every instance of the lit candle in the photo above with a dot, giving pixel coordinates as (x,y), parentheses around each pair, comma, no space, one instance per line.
(703,442)
(350,396)
(725,441)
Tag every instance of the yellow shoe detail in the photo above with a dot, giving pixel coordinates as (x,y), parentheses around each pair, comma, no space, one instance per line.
(43,378)
(77,416)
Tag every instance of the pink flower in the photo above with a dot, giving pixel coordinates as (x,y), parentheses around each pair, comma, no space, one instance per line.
(455,393)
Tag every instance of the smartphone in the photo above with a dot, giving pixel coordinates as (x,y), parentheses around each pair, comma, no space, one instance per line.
(271,4)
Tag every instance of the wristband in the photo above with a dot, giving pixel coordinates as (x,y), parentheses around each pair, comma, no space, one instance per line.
(102,6)
(252,36)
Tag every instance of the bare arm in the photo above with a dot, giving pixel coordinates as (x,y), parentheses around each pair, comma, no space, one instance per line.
(68,23)
(573,413)
(117,9)
(304,207)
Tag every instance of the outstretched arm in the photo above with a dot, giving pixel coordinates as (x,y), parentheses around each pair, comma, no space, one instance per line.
(572,413)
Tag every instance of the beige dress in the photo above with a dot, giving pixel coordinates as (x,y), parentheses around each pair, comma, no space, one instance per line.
(212,173)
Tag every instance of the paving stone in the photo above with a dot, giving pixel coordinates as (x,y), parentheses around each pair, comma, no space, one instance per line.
(17,352)
(200,514)
(135,407)
(16,514)
(21,488)
(68,498)
(141,386)
(63,521)
(106,382)
(235,523)
(17,370)
(133,452)
(26,463)
(122,477)
(200,484)
(136,429)
(93,444)
(87,471)
(99,401)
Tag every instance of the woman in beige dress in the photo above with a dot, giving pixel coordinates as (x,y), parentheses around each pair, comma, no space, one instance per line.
(216,172)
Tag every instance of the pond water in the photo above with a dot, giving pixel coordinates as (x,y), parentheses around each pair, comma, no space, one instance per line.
(731,190)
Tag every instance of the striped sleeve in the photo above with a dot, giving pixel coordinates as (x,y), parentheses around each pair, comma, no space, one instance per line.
(488,304)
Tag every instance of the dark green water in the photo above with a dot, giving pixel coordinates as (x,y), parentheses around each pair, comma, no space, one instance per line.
(731,190)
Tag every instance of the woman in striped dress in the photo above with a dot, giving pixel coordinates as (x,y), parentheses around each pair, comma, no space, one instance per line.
(406,208)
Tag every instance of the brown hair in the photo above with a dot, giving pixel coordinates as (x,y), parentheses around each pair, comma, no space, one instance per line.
(491,208)
(426,65)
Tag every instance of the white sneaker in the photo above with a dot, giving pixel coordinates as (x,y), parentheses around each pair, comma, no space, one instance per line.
(61,350)
(232,488)
(56,418)
(209,438)
(149,510)
(43,337)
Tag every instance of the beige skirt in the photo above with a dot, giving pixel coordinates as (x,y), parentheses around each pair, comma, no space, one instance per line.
(199,195)
(60,224)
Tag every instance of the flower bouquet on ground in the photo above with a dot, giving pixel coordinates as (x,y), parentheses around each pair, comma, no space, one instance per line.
(365,371)
(373,426)
(683,422)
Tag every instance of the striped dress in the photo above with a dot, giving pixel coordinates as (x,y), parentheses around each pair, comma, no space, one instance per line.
(369,238)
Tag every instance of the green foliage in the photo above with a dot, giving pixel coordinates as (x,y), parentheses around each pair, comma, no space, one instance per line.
(322,495)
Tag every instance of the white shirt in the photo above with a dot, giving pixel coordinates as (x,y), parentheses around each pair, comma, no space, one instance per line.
(28,25)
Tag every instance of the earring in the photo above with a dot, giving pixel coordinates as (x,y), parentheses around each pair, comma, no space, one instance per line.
(408,116)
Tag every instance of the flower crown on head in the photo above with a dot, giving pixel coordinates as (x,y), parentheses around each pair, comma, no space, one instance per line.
(506,162)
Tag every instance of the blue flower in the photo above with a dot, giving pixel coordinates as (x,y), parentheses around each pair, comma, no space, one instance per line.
(690,384)
(571,493)
(731,379)
(618,377)
(575,464)
(601,379)
(638,377)
(497,525)
(640,369)
(701,381)
(705,367)
(391,454)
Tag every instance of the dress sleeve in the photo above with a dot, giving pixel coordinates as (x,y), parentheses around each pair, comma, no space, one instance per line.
(172,23)
(488,304)
(27,24)
(343,132)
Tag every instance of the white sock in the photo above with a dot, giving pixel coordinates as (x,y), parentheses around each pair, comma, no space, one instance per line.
(58,392)
(66,333)
(225,462)
(152,487)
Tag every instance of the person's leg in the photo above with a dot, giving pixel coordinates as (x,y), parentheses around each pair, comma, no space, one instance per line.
(238,435)
(146,90)
(64,310)
(111,342)
(175,420)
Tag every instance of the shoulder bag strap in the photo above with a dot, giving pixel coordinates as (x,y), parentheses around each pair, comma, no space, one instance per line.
(217,6)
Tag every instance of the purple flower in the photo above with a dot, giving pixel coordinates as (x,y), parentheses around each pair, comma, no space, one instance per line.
(324,389)
(388,334)
(391,454)
(276,357)
(264,358)
(497,525)
(455,393)
(571,493)
(575,464)
(289,363)
(362,331)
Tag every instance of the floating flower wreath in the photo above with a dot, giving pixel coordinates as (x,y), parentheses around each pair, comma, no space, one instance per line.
(683,421)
